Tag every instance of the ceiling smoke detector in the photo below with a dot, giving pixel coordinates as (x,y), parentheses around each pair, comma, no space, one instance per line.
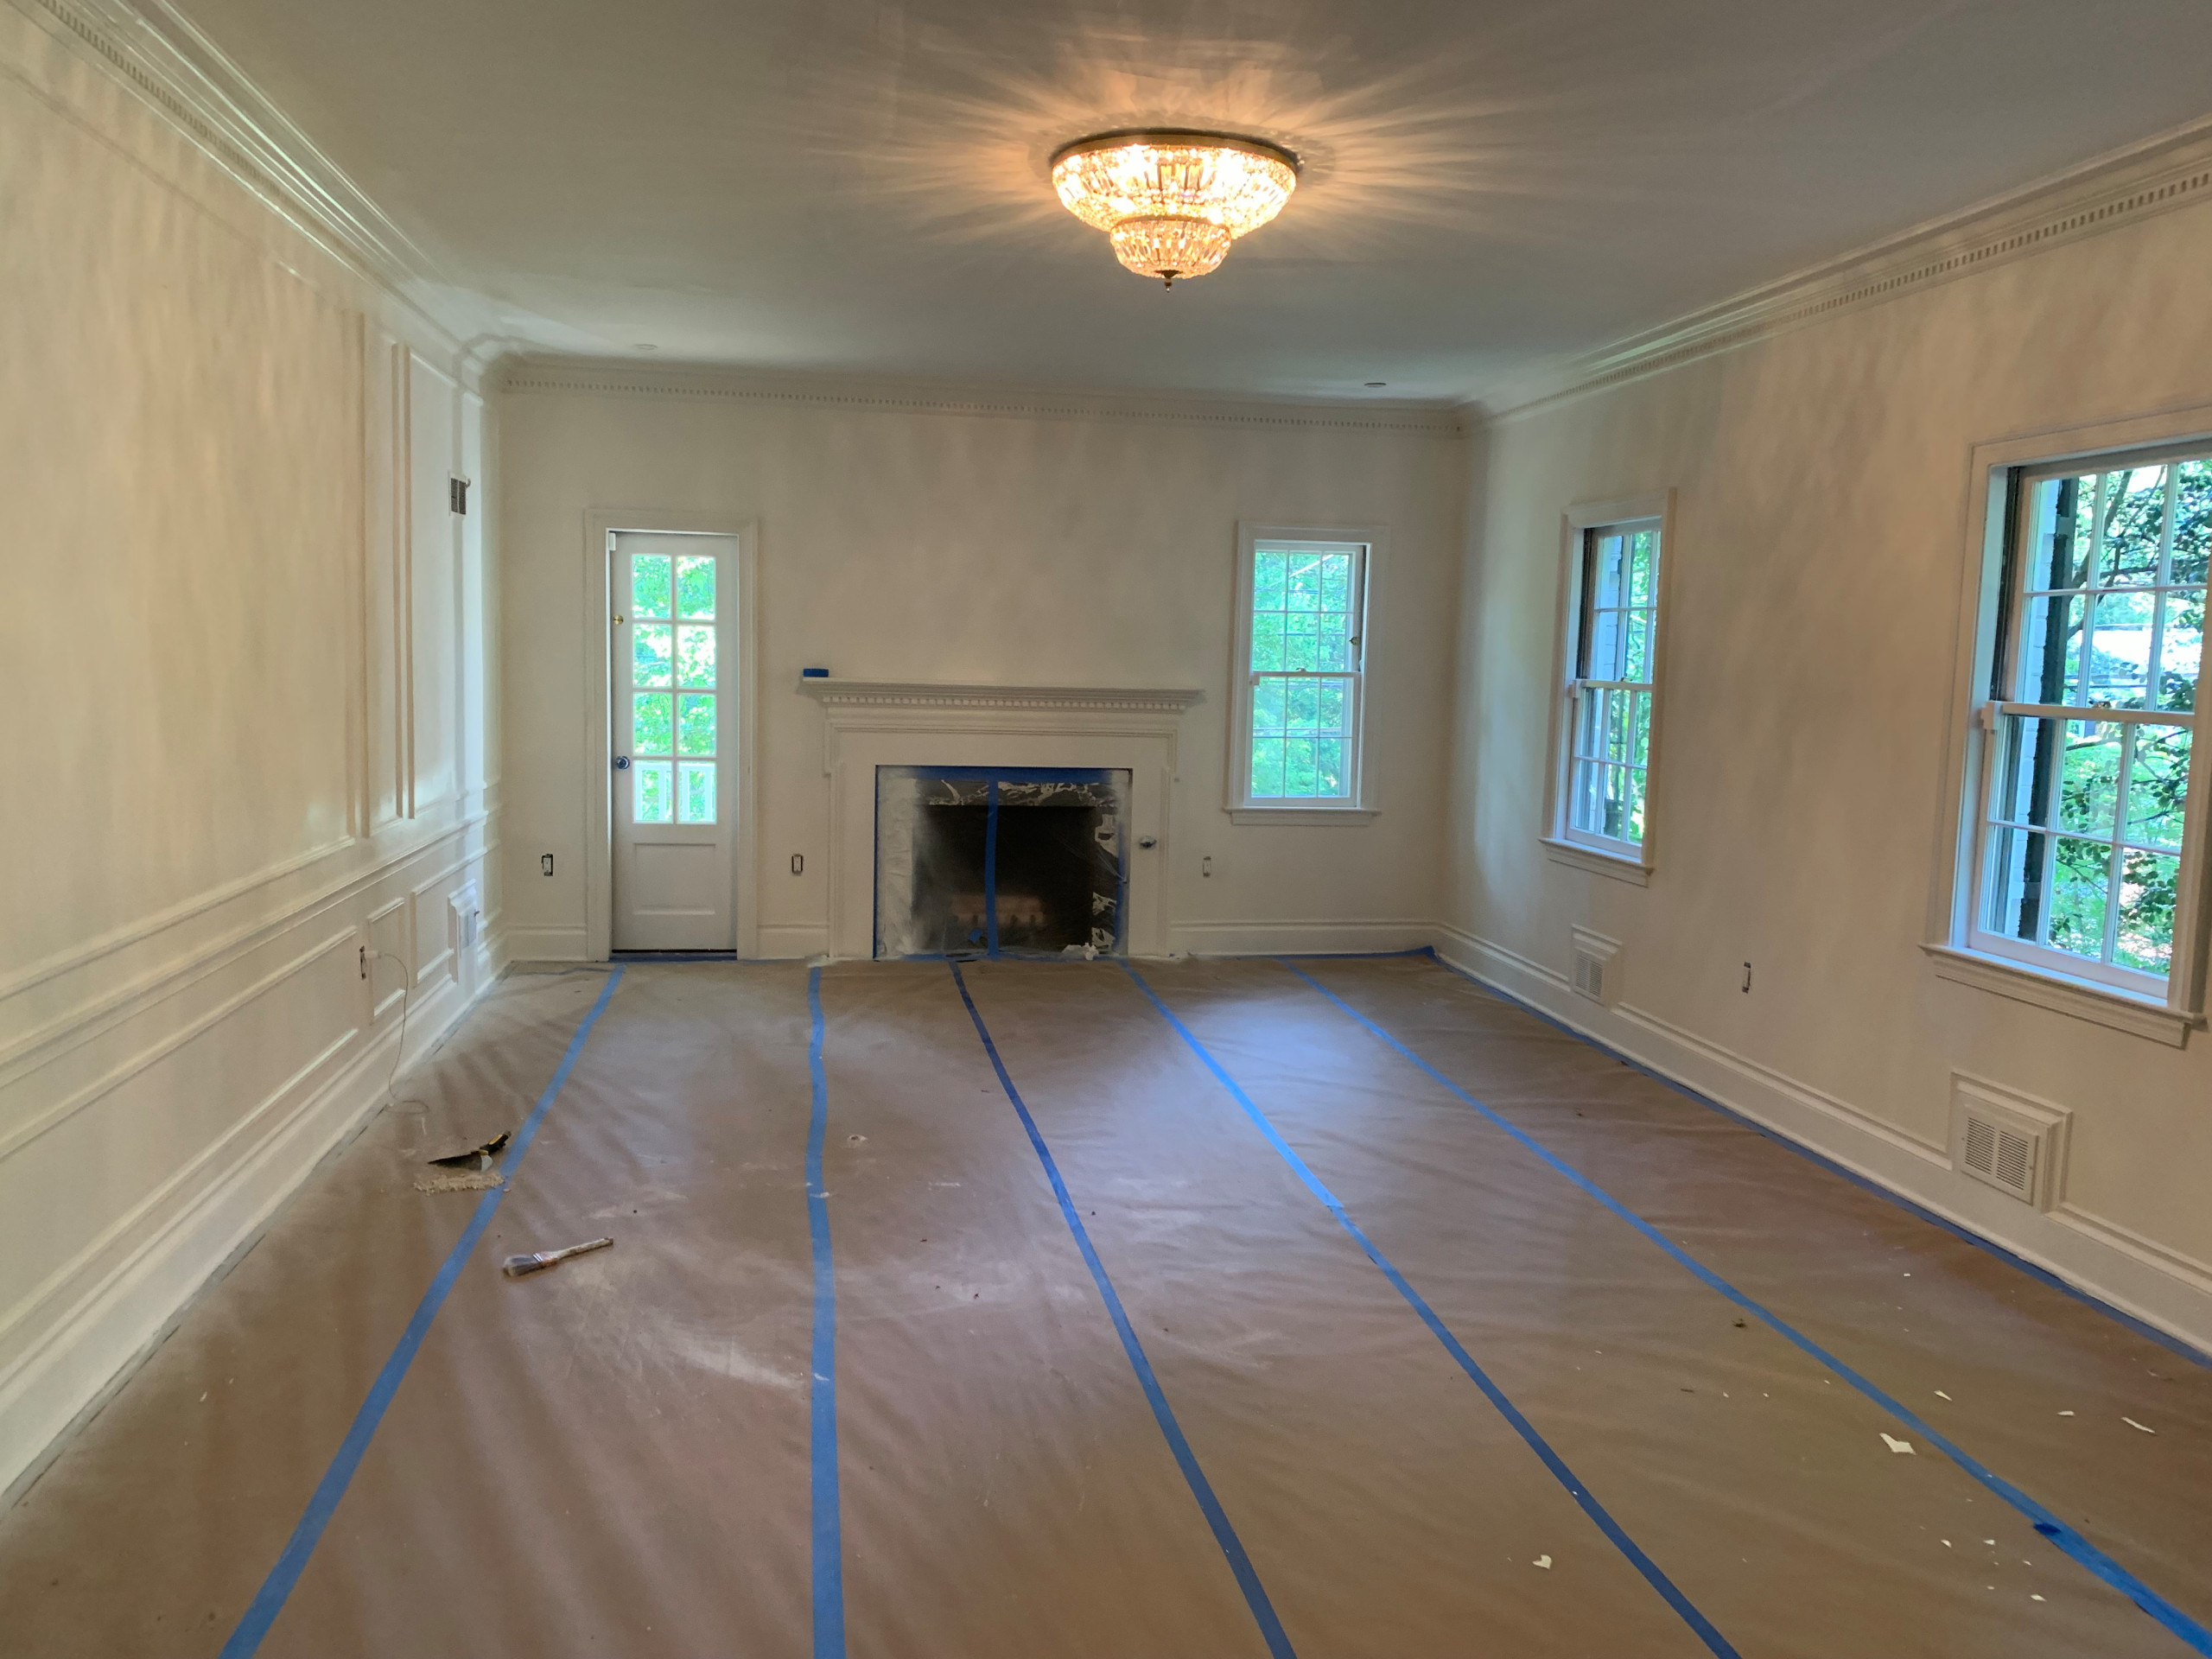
(1171,200)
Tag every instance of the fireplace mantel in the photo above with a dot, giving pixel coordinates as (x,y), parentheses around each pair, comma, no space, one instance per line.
(928,694)
(868,724)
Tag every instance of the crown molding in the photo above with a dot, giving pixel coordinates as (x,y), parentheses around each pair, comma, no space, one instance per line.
(165,60)
(930,694)
(2123,186)
(914,395)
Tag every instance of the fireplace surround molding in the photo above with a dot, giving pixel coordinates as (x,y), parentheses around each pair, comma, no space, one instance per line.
(871,723)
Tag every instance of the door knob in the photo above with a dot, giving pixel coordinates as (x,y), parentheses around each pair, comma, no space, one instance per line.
(621,763)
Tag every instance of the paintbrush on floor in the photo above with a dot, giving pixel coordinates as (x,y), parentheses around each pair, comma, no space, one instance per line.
(537,1261)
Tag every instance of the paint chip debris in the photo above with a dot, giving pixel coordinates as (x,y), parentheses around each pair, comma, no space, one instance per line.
(2035,1598)
(1903,1448)
(1544,1561)
(1940,1395)
(2066,1414)
(459,1180)
(1947,1543)
(2145,1427)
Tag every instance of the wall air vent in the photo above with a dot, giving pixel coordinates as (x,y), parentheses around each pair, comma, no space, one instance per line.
(2009,1141)
(1593,965)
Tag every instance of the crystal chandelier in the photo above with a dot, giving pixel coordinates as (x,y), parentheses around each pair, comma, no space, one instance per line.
(1172,200)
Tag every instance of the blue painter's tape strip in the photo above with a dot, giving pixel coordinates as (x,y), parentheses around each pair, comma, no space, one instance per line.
(2044,1520)
(1537,1443)
(277,1588)
(829,1556)
(1232,1548)
(2041,1275)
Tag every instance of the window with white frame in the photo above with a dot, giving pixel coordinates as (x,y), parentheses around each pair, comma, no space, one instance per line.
(1302,605)
(1612,642)
(2088,815)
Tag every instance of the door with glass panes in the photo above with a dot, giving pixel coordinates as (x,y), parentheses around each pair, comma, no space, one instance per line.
(672,737)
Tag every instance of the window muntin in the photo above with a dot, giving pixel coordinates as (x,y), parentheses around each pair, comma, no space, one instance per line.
(2084,810)
(1304,673)
(1610,696)
(674,706)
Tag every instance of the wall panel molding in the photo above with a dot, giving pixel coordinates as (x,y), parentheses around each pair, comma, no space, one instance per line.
(165,61)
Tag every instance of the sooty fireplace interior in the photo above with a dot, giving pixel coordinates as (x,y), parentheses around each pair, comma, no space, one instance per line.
(1011,861)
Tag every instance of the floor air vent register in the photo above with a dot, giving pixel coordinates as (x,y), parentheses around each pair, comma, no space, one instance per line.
(2009,1141)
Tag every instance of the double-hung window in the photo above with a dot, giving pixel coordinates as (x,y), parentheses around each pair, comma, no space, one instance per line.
(2087,813)
(1612,648)
(1301,663)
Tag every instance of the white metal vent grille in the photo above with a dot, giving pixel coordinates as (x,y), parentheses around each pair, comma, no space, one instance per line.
(1594,960)
(1590,977)
(2008,1140)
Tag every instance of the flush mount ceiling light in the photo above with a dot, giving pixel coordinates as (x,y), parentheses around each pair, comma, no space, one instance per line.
(1172,200)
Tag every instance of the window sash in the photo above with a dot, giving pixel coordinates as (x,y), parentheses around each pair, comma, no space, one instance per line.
(2040,824)
(1278,725)
(1605,768)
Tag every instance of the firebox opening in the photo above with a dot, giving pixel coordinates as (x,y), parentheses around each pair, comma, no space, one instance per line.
(1015,862)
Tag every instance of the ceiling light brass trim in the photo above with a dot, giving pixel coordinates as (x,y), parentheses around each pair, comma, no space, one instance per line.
(1121,136)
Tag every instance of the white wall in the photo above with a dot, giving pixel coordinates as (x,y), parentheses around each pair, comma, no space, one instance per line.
(1799,813)
(243,656)
(1093,547)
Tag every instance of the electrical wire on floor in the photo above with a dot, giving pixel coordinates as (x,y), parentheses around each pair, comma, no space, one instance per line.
(406,1003)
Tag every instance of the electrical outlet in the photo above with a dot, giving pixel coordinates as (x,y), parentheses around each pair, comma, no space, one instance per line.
(546,864)
(1747,979)
(1205,866)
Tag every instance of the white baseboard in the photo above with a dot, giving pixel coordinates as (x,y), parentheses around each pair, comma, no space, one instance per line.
(88,1349)
(2166,1290)
(784,941)
(545,944)
(1295,938)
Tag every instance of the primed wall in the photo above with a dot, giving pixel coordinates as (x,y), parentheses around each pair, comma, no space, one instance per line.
(903,545)
(1810,634)
(246,668)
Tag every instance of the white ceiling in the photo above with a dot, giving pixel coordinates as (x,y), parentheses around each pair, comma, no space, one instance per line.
(860,187)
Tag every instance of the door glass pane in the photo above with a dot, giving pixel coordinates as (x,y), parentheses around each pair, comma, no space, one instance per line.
(695,650)
(695,792)
(653,653)
(649,585)
(695,586)
(695,722)
(651,723)
(653,800)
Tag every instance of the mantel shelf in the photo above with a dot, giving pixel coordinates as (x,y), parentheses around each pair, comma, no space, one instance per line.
(928,694)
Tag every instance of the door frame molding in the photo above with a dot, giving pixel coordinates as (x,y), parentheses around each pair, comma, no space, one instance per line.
(601,525)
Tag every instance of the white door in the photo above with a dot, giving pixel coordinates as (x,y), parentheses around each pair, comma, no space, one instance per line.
(674,771)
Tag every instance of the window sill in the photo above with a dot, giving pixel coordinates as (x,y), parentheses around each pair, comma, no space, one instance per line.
(1337,817)
(2083,1001)
(1613,866)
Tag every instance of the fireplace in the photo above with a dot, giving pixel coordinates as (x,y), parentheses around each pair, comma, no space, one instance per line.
(1001,861)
